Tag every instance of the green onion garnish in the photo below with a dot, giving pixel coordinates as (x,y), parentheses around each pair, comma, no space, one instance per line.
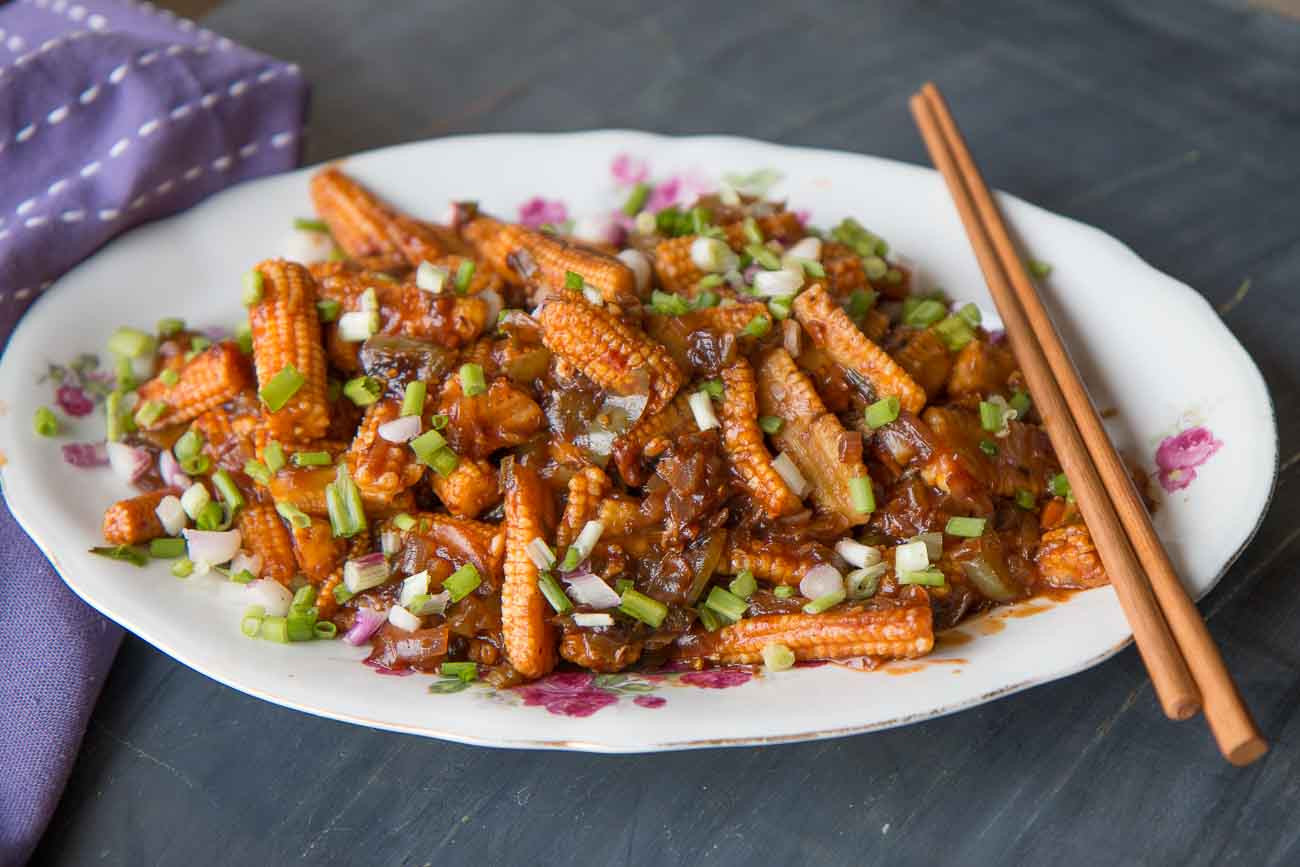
(712,622)
(780,307)
(707,298)
(622,585)
(363,390)
(970,313)
(811,267)
(296,517)
(753,233)
(464,274)
(743,585)
(472,381)
(466,671)
(253,282)
(243,576)
(710,281)
(125,374)
(1020,402)
(649,611)
(893,276)
(554,593)
(403,521)
(713,388)
(126,553)
(462,582)
(210,517)
(954,331)
(343,503)
(169,325)
(257,471)
(989,448)
(426,444)
(777,657)
(862,495)
(573,281)
(131,343)
(198,343)
(183,568)
(861,302)
(229,492)
(668,304)
(770,424)
(45,423)
(759,326)
(821,603)
(991,416)
(169,377)
(784,591)
(1039,269)
(636,200)
(273,454)
(323,630)
(726,604)
(167,548)
(188,445)
(303,598)
(924,314)
(439,421)
(311,459)
(251,623)
(327,309)
(444,461)
(882,412)
(149,412)
(764,256)
(925,577)
(117,421)
(308,225)
(196,465)
(1025,499)
(1059,485)
(275,629)
(284,385)
(970,528)
(875,267)
(341,593)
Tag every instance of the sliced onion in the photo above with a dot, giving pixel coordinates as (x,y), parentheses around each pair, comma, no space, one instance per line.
(271,595)
(822,580)
(540,553)
(365,572)
(702,409)
(403,619)
(170,470)
(792,337)
(413,586)
(358,325)
(640,265)
(587,538)
(212,547)
(597,228)
(245,561)
(431,278)
(713,255)
(401,430)
(308,247)
(857,554)
(588,589)
(911,557)
(790,474)
(807,248)
(492,299)
(435,604)
(171,515)
(363,626)
(933,545)
(989,580)
(863,583)
(778,284)
(589,619)
(593,296)
(128,462)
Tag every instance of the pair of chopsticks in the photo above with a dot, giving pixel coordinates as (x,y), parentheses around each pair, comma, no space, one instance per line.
(1185,666)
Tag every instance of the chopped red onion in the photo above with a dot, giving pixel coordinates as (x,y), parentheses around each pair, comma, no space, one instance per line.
(365,572)
(129,462)
(85,455)
(364,625)
(271,595)
(820,581)
(170,470)
(640,265)
(807,248)
(171,514)
(492,299)
(403,619)
(589,589)
(401,430)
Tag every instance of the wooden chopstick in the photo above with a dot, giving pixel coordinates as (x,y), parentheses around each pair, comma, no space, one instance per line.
(1169,675)
(1229,719)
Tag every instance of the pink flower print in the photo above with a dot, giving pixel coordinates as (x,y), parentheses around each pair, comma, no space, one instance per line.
(650,701)
(629,170)
(1178,456)
(72,400)
(567,694)
(85,455)
(717,678)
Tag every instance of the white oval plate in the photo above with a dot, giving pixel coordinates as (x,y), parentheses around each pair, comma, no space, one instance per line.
(1149,347)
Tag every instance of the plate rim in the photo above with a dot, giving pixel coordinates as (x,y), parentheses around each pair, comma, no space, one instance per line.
(602,748)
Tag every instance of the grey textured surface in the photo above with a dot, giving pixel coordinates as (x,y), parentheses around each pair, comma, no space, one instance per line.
(1174,125)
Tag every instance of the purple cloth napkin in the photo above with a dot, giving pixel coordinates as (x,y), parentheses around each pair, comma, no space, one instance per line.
(111,115)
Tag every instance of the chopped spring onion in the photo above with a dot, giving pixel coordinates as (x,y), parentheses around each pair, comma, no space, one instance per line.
(431,278)
(304,224)
(706,298)
(590,619)
(857,554)
(439,421)
(311,459)
(764,256)
(785,591)
(198,343)
(149,412)
(228,490)
(251,623)
(743,585)
(413,399)
(622,585)
(989,447)
(668,304)
(711,621)
(188,445)
(649,611)
(194,499)
(1020,403)
(444,461)
(183,568)
(462,582)
(273,455)
(554,593)
(341,593)
(822,603)
(572,558)
(713,255)
(1039,268)
(759,326)
(197,465)
(780,308)
(464,274)
(573,281)
(647,223)
(1059,485)
(969,528)
(777,657)
(540,553)
(403,619)
(1025,499)
(790,475)
(323,630)
(170,325)
(863,583)
(911,556)
(702,408)
(284,385)
(893,276)
(710,281)
(171,514)
(369,300)
(363,390)
(275,629)
(45,423)
(295,516)
(970,313)
(243,576)
(862,495)
(466,671)
(169,377)
(726,604)
(131,343)
(426,445)
(861,302)
(365,572)
(933,544)
(875,267)
(257,471)
(811,267)
(770,424)
(472,381)
(413,586)
(125,374)
(253,287)
(778,283)
(925,577)
(210,517)
(244,337)
(586,541)
(752,232)
(882,412)
(954,331)
(327,309)
(991,416)
(403,521)
(126,553)
(343,503)
(166,549)
(924,314)
(636,199)
(358,325)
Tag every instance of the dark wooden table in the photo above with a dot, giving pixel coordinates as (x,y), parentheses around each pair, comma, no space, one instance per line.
(1174,125)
